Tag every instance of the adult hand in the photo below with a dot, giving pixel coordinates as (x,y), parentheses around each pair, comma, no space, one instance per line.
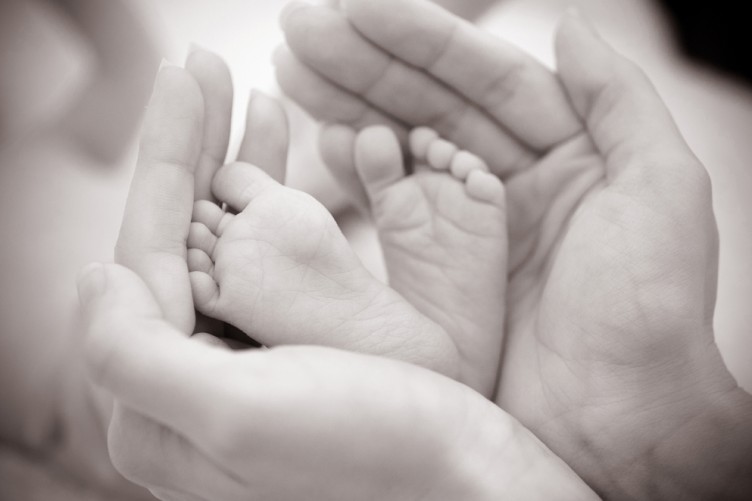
(610,355)
(297,422)
(184,141)
(287,423)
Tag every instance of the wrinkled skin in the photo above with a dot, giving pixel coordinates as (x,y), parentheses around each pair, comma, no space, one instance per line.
(196,421)
(613,261)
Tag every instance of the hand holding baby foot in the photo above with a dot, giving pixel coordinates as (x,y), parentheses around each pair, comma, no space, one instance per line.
(301,422)
(610,353)
(281,271)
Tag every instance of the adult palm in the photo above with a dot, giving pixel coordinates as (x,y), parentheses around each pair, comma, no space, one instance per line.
(320,423)
(609,353)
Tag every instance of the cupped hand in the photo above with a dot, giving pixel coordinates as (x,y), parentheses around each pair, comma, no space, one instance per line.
(184,141)
(198,422)
(296,422)
(610,356)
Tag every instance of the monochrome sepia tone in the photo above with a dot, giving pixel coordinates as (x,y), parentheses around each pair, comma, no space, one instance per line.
(366,250)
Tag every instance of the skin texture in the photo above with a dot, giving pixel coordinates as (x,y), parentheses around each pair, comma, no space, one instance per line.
(297,422)
(282,271)
(445,248)
(196,421)
(610,356)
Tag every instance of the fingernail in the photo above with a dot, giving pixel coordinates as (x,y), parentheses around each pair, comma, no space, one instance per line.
(289,8)
(166,64)
(194,47)
(91,282)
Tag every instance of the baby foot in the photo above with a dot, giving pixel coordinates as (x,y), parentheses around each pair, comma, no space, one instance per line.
(281,271)
(444,237)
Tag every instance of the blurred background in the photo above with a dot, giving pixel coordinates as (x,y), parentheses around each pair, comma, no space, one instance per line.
(75,76)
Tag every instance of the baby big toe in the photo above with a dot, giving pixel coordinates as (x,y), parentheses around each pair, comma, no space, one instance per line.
(378,159)
(485,187)
(238,184)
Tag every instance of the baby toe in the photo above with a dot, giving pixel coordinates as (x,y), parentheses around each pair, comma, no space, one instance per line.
(378,159)
(485,187)
(440,154)
(420,139)
(205,293)
(238,184)
(199,260)
(200,237)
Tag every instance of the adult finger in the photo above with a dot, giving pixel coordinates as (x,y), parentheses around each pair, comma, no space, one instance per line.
(266,138)
(200,391)
(337,147)
(330,103)
(626,118)
(324,39)
(325,100)
(147,364)
(213,77)
(513,87)
(158,212)
(261,413)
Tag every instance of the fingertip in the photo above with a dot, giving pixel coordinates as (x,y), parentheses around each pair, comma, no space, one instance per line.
(203,62)
(575,22)
(264,108)
(289,10)
(577,44)
(378,158)
(176,89)
(266,138)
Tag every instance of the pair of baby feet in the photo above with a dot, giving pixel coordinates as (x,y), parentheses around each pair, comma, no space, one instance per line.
(277,266)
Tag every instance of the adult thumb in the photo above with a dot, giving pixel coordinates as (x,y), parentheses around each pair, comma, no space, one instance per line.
(624,115)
